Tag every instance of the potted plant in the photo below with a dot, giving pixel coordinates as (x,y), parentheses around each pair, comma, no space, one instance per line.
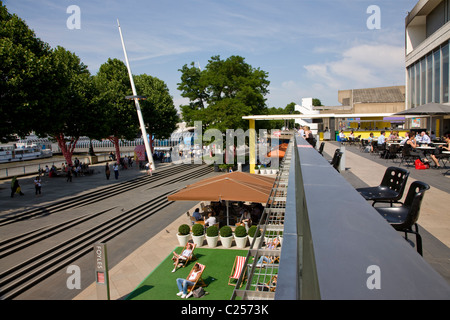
(226,236)
(198,234)
(240,236)
(254,232)
(212,235)
(183,234)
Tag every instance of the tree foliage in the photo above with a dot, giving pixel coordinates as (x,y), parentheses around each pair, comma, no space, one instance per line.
(223,92)
(158,110)
(24,74)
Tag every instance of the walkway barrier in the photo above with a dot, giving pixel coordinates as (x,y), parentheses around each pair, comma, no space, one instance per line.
(336,245)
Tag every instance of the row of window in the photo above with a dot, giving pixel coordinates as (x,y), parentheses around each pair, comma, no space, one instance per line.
(428,78)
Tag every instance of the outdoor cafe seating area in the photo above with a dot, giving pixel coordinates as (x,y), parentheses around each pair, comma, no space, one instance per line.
(237,213)
(434,152)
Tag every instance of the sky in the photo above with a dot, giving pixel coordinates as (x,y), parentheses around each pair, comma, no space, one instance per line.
(309,48)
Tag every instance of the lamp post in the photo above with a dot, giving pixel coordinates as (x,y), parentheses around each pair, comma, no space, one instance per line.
(136,99)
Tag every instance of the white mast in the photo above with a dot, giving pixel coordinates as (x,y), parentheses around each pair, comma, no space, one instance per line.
(136,102)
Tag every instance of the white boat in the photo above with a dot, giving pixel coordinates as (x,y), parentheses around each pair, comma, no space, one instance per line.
(24,151)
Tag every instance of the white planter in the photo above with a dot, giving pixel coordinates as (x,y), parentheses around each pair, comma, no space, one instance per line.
(257,242)
(183,239)
(241,242)
(198,240)
(212,241)
(226,241)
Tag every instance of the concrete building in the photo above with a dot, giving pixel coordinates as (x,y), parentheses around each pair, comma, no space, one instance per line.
(427,34)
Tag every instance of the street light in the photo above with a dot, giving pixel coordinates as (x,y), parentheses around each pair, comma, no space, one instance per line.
(136,99)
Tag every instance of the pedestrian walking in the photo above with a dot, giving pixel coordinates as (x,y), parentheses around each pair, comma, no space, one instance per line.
(69,174)
(116,170)
(15,187)
(37,185)
(107,172)
(148,167)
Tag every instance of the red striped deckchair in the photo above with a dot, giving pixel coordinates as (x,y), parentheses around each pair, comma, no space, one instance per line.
(238,268)
(198,280)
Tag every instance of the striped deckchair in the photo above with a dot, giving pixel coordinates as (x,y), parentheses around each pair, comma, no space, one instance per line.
(238,268)
(198,282)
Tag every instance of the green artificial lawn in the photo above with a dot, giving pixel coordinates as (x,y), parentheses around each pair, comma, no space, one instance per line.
(161,283)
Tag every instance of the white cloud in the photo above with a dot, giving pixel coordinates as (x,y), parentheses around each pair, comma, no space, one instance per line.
(361,66)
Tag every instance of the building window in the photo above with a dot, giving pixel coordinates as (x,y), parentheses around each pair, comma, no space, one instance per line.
(445,71)
(423,81)
(437,76)
(429,78)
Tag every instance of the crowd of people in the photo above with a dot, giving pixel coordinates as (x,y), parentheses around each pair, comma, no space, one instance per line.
(239,212)
(421,145)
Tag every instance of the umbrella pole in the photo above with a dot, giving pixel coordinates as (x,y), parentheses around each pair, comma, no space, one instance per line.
(228,215)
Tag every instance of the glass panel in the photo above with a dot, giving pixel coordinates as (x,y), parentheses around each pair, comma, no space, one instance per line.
(445,81)
(423,81)
(429,78)
(437,76)
(417,98)
(413,87)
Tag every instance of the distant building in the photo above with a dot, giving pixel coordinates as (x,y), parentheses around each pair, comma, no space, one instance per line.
(427,34)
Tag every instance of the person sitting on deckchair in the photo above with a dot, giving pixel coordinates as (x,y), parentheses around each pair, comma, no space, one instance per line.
(273,243)
(191,281)
(180,259)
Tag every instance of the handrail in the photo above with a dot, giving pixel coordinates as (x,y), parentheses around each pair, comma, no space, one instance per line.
(336,245)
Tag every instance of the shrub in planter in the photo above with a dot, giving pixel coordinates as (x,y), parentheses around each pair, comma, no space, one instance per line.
(252,230)
(198,234)
(198,230)
(240,236)
(183,234)
(226,236)
(212,235)
(225,232)
(184,229)
(212,231)
(240,232)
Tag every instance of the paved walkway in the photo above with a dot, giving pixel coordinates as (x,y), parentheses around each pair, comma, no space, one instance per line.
(130,272)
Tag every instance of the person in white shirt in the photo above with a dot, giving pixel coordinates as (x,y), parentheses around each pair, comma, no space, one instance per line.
(405,139)
(183,284)
(382,138)
(211,220)
(424,138)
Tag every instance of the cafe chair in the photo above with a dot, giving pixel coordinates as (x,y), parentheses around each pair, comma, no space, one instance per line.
(337,161)
(390,189)
(403,218)
(198,282)
(408,157)
(336,153)
(322,145)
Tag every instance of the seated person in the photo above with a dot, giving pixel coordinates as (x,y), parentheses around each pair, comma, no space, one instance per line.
(270,286)
(425,138)
(197,215)
(211,220)
(439,149)
(342,136)
(273,243)
(179,259)
(183,284)
(246,219)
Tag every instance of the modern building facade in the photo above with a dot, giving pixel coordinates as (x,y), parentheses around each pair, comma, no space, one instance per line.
(427,37)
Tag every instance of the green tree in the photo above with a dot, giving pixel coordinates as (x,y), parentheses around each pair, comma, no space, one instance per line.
(223,92)
(158,110)
(70,109)
(120,117)
(24,75)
